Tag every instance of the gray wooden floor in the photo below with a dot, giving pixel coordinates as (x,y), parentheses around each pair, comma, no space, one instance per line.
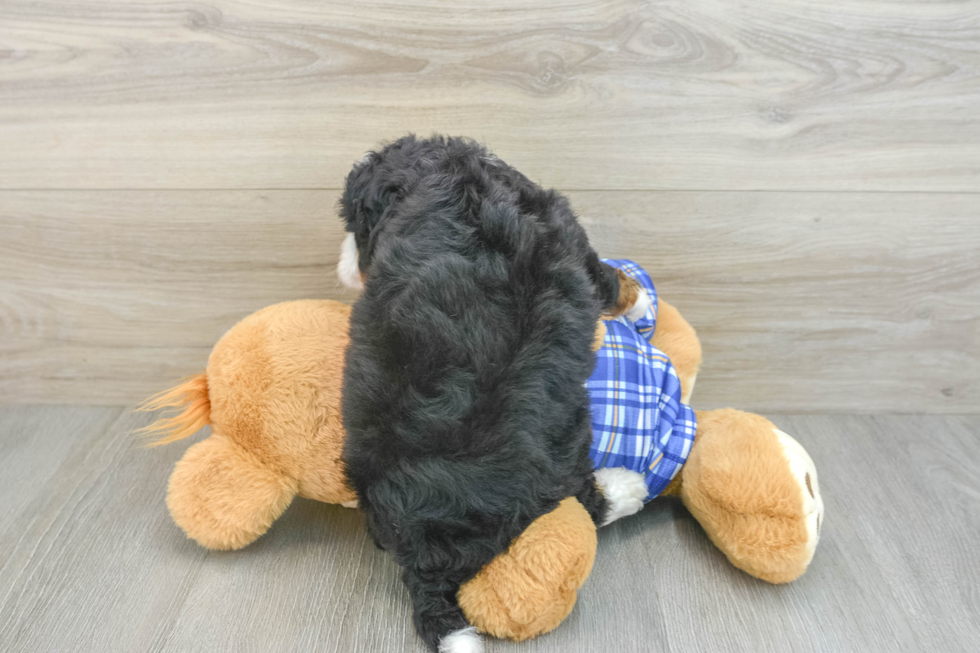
(90,561)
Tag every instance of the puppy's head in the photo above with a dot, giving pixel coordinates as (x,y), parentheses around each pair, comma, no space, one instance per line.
(372,189)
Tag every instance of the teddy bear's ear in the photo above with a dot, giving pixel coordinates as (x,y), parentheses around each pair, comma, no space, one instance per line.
(530,588)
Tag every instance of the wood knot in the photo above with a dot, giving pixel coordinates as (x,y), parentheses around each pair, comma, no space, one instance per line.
(202,19)
(551,73)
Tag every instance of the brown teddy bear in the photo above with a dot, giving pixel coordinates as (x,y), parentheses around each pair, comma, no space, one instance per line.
(272,395)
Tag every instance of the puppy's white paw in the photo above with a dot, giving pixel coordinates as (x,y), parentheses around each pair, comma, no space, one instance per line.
(639,307)
(347,269)
(625,491)
(805,473)
(350,504)
(464,640)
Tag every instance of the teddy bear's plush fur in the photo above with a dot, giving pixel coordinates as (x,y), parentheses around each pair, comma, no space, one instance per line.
(272,396)
(271,393)
(758,502)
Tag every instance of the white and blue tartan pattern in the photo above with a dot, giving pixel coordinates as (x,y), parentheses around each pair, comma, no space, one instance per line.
(638,420)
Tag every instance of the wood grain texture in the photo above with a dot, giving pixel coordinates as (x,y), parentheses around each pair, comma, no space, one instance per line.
(111,295)
(813,302)
(34,445)
(803,301)
(93,562)
(623,94)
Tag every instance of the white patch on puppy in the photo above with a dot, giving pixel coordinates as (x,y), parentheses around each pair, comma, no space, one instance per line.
(465,640)
(640,306)
(624,489)
(347,269)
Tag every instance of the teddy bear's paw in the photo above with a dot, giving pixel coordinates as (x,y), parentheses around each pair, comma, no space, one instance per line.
(640,307)
(464,640)
(625,491)
(805,473)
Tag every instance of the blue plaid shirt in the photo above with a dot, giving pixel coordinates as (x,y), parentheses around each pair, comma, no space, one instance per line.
(638,420)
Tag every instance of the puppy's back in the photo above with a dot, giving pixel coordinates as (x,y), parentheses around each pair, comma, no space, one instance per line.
(464,393)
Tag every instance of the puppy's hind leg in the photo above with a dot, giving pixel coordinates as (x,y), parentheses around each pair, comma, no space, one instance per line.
(590,494)
(594,501)
(438,618)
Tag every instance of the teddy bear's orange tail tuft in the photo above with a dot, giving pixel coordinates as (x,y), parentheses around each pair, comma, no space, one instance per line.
(192,395)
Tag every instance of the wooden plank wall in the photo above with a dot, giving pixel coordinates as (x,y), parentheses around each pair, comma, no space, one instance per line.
(802,178)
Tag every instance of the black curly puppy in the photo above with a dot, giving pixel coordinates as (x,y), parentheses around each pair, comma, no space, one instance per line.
(464,397)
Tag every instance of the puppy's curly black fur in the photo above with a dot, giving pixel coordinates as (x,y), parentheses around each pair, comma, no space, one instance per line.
(464,398)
